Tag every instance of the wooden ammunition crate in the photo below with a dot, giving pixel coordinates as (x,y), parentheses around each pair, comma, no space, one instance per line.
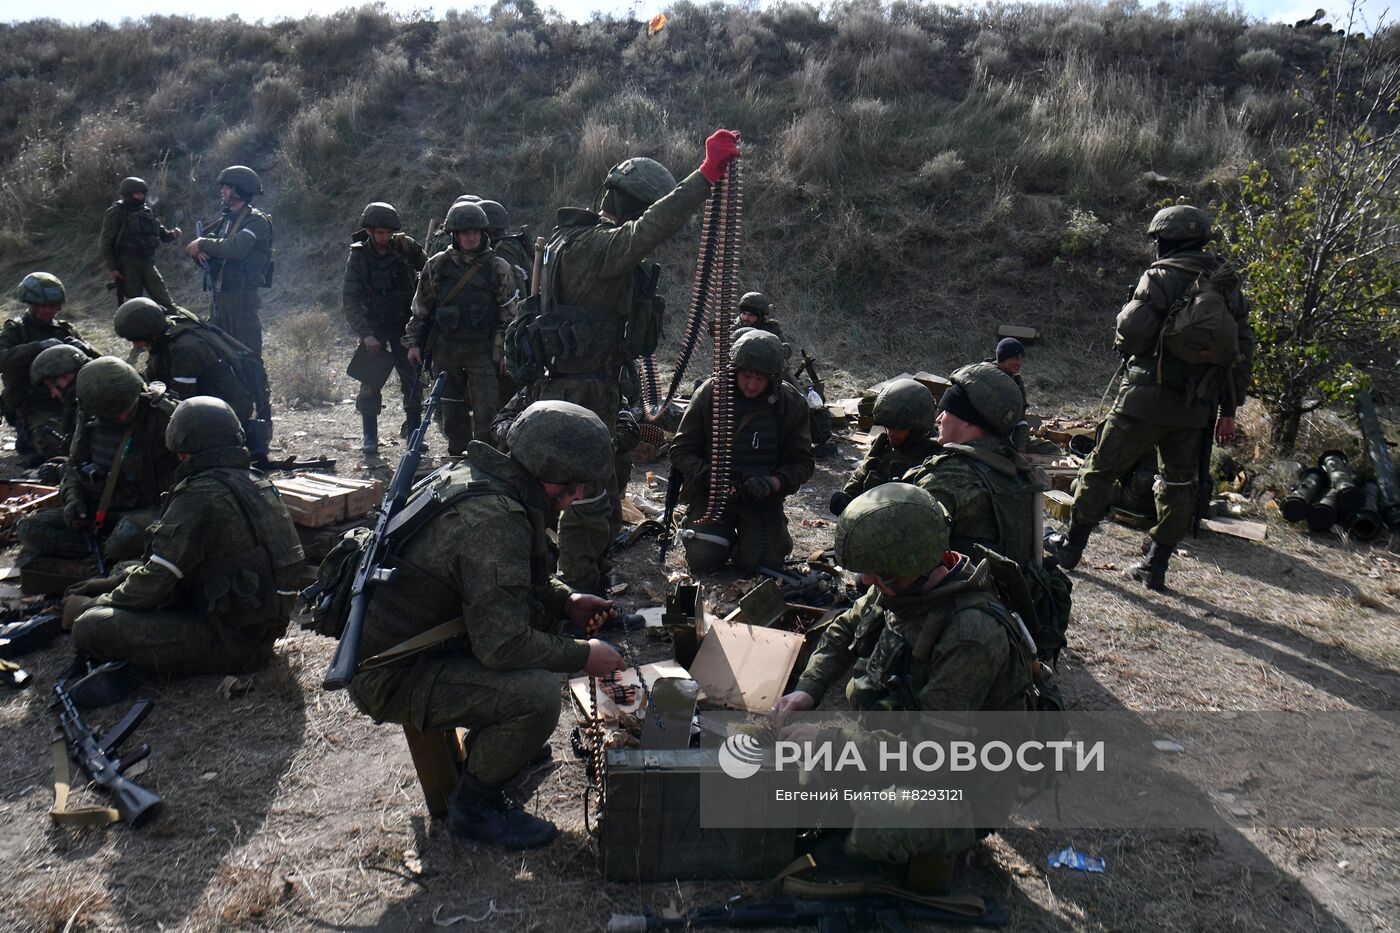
(18,499)
(316,500)
(651,823)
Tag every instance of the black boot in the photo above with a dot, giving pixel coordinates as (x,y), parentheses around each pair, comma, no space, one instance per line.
(1069,548)
(1152,570)
(411,420)
(369,426)
(481,812)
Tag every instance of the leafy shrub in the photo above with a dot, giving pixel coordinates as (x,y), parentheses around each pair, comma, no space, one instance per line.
(1083,233)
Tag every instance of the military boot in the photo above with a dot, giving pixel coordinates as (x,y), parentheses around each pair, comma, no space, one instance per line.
(1152,569)
(411,420)
(369,425)
(483,813)
(1069,548)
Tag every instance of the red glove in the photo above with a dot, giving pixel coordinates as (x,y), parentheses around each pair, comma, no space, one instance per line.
(720,149)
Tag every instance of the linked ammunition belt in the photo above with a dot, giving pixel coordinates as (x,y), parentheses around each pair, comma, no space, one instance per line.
(720,300)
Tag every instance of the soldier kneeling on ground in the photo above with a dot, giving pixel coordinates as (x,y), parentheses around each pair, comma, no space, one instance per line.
(771,458)
(496,672)
(56,371)
(219,578)
(906,410)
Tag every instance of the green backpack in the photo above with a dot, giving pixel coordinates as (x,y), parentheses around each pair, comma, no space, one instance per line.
(1199,328)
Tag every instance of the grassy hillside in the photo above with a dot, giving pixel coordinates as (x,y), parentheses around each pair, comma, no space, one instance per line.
(915,174)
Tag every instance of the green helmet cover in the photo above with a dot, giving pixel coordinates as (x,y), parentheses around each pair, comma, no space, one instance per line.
(560,442)
(242,179)
(380,214)
(56,361)
(107,386)
(203,422)
(139,319)
(760,352)
(466,216)
(757,302)
(132,185)
(41,288)
(642,179)
(993,393)
(1182,222)
(895,530)
(905,405)
(496,214)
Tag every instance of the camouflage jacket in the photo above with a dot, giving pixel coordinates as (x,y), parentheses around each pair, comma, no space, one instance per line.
(377,291)
(885,463)
(1141,395)
(147,469)
(989,493)
(20,341)
(952,643)
(187,360)
(493,283)
(239,257)
(785,453)
(130,230)
(516,249)
(224,545)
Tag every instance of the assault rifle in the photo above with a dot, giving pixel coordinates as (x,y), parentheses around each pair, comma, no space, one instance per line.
(852,913)
(673,495)
(208,282)
(97,756)
(371,570)
(809,366)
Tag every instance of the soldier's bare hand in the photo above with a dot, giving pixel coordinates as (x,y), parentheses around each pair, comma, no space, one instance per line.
(582,607)
(415,356)
(176,233)
(798,701)
(116,275)
(372,344)
(192,248)
(603,659)
(1224,430)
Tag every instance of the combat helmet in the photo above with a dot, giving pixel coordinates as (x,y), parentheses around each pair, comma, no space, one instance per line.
(41,288)
(139,319)
(992,394)
(760,352)
(107,386)
(905,405)
(1182,222)
(464,215)
(496,214)
(755,303)
(640,181)
(56,361)
(201,423)
(131,185)
(380,214)
(894,530)
(560,442)
(243,180)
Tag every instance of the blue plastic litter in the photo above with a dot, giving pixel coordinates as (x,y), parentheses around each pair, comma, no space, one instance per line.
(1070,857)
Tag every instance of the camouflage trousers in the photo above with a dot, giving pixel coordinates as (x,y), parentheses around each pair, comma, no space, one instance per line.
(1124,441)
(236,313)
(369,400)
(511,713)
(39,431)
(141,277)
(46,534)
(168,642)
(471,397)
(753,534)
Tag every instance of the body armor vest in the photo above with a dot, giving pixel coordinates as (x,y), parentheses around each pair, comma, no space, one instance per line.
(473,313)
(757,449)
(391,281)
(575,338)
(248,272)
(138,233)
(1011,494)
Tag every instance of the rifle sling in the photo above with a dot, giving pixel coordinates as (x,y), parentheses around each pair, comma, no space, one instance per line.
(467,276)
(60,812)
(419,643)
(237,225)
(109,488)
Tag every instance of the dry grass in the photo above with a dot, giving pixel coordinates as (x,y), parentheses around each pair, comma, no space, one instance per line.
(299,362)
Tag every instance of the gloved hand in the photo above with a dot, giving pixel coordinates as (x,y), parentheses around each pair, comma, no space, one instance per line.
(839,501)
(76,514)
(74,606)
(720,149)
(757,488)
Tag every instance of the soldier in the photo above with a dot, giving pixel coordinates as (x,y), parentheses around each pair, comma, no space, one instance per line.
(36,417)
(381,276)
(499,678)
(127,244)
(220,573)
(514,248)
(754,311)
(237,256)
(56,369)
(117,468)
(1010,357)
(594,282)
(906,410)
(771,458)
(193,358)
(1165,403)
(990,492)
(440,238)
(932,620)
(469,295)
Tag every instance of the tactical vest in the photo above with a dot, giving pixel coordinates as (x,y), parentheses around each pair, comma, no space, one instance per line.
(138,232)
(574,338)
(249,392)
(757,444)
(140,483)
(474,312)
(253,270)
(390,280)
(516,249)
(1011,492)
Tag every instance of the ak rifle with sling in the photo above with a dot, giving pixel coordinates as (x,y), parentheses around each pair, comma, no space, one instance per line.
(96,755)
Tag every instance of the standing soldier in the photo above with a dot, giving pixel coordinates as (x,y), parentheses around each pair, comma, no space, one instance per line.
(906,410)
(127,244)
(237,256)
(468,294)
(597,291)
(220,575)
(500,676)
(56,371)
(116,471)
(381,276)
(771,458)
(36,417)
(1167,402)
(514,248)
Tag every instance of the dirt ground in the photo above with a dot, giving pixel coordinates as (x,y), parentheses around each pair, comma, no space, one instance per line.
(285,809)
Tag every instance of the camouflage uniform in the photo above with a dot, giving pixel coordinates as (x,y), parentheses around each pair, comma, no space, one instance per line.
(377,299)
(501,678)
(38,419)
(239,246)
(886,463)
(516,249)
(771,438)
(466,336)
(218,582)
(189,360)
(127,244)
(1021,434)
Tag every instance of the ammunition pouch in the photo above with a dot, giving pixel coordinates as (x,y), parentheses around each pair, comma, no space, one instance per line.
(647,314)
(524,356)
(581,337)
